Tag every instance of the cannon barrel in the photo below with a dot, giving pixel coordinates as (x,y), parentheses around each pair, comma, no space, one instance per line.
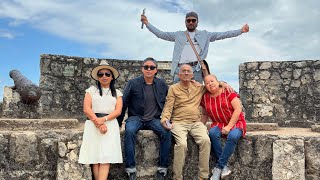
(29,92)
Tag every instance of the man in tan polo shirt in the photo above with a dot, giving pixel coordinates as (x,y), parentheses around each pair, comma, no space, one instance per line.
(182,110)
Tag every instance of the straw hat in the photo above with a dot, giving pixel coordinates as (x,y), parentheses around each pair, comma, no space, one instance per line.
(104,65)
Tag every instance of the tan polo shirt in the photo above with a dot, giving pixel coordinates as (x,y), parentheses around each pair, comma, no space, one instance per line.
(182,103)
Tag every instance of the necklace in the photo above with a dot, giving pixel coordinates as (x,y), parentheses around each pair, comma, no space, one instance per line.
(106,93)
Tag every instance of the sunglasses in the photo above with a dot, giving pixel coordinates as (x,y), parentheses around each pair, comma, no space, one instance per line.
(101,74)
(193,20)
(146,67)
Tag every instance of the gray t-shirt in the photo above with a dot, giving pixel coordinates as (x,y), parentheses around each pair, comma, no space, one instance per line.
(150,105)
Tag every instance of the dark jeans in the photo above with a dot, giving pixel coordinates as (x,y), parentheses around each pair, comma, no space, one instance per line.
(133,125)
(222,155)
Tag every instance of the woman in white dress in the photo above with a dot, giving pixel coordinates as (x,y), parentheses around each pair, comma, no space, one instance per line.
(101,136)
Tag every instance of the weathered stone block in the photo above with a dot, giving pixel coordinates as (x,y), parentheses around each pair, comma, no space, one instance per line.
(67,164)
(4,152)
(242,67)
(23,150)
(296,73)
(312,156)
(300,64)
(262,126)
(316,75)
(264,75)
(275,75)
(265,65)
(286,74)
(265,110)
(315,128)
(288,159)
(306,79)
(276,65)
(252,65)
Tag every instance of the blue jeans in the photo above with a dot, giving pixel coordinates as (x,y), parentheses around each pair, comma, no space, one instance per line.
(133,125)
(197,75)
(222,155)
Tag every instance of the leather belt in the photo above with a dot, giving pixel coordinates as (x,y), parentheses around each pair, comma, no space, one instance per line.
(100,115)
(189,63)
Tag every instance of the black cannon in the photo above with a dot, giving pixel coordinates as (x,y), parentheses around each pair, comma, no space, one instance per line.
(29,92)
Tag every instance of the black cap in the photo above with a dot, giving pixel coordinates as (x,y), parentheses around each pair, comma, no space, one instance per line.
(192,14)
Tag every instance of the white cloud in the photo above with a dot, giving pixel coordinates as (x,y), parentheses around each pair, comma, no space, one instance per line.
(6,34)
(279,30)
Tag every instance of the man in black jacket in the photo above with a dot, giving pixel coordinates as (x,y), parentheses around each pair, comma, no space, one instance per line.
(145,97)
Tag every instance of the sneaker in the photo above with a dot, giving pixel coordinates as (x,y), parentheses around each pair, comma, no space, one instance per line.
(132,176)
(225,172)
(216,173)
(160,175)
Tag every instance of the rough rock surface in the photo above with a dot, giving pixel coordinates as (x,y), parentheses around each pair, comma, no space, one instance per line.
(315,128)
(288,160)
(285,92)
(12,106)
(53,154)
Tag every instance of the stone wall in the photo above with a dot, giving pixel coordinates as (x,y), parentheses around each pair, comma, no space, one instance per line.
(287,92)
(64,80)
(48,149)
(283,92)
(14,108)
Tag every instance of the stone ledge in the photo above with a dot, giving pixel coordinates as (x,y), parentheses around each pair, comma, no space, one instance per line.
(262,126)
(38,124)
(288,133)
(56,151)
(315,128)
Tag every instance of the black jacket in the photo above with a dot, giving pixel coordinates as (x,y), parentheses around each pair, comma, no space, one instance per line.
(133,96)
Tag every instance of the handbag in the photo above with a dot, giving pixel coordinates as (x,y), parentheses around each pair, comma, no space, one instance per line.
(204,65)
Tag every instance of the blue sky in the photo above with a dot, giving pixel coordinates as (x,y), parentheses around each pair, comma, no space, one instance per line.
(279,30)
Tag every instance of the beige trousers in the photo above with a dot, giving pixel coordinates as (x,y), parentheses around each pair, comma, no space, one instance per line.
(200,134)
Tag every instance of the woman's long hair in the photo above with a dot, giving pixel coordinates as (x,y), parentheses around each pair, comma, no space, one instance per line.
(112,88)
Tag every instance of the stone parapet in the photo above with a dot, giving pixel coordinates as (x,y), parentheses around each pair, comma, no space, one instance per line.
(13,107)
(286,153)
(36,124)
(64,79)
(315,128)
(262,126)
(285,92)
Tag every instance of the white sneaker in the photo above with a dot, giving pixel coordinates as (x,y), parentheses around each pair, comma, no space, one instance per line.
(216,173)
(225,172)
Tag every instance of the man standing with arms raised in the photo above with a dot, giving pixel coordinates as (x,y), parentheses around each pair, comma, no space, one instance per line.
(183,52)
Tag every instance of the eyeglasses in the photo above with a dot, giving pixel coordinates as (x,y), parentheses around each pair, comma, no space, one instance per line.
(146,67)
(101,74)
(193,20)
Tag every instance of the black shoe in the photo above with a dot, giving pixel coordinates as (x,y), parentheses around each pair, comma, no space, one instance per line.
(160,175)
(132,176)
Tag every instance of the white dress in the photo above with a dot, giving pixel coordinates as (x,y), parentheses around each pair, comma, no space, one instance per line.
(96,147)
